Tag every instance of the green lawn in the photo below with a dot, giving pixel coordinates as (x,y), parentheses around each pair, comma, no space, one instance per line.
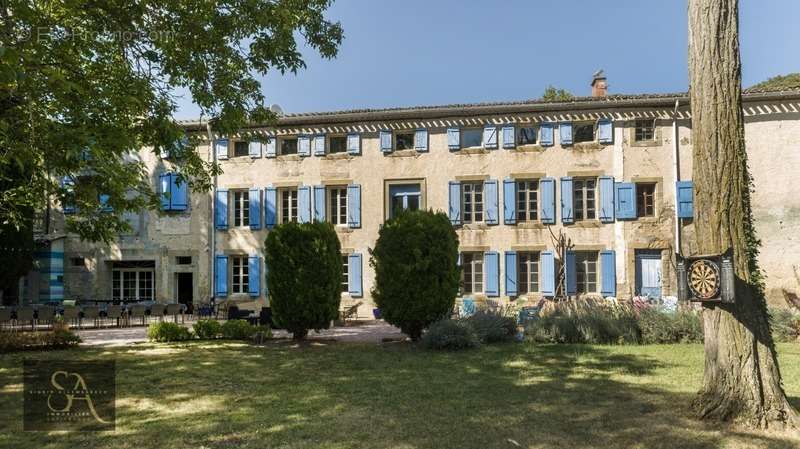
(225,395)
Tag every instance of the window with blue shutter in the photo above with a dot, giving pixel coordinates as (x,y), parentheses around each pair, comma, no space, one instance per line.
(608,270)
(509,201)
(606,199)
(509,139)
(354,277)
(565,131)
(354,144)
(319,203)
(165,185)
(179,193)
(511,274)
(570,273)
(567,216)
(625,206)
(547,196)
(221,149)
(685,199)
(454,209)
(453,139)
(319,145)
(421,140)
(491,262)
(103,199)
(386,141)
(548,274)
(221,209)
(490,137)
(546,134)
(255,148)
(254,275)
(490,197)
(265,280)
(270,207)
(605,130)
(304,204)
(254,198)
(304,146)
(271,147)
(354,205)
(68,184)
(221,276)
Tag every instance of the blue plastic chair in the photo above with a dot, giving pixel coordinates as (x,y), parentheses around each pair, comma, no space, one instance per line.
(467,307)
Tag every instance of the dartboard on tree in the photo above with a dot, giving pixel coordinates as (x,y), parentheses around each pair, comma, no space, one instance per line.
(704,279)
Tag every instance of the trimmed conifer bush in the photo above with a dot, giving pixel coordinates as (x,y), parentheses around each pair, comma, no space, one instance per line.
(416,273)
(304,276)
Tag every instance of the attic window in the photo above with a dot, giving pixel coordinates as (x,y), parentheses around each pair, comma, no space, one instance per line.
(645,130)
(183,260)
(584,132)
(79,262)
(404,140)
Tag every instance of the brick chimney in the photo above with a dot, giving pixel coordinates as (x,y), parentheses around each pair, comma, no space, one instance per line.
(599,84)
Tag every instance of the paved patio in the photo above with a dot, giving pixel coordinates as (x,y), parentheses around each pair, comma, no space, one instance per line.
(363,332)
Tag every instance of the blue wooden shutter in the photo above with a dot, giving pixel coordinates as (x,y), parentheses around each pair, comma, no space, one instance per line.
(565,131)
(608,269)
(254,275)
(566,200)
(179,198)
(165,185)
(547,196)
(319,203)
(254,198)
(221,276)
(570,273)
(354,144)
(546,134)
(270,207)
(354,279)
(453,139)
(605,130)
(606,199)
(304,204)
(221,209)
(490,137)
(319,145)
(68,184)
(491,262)
(548,274)
(511,274)
(354,205)
(103,199)
(271,150)
(490,197)
(221,149)
(509,139)
(454,209)
(684,197)
(265,278)
(386,141)
(254,148)
(421,140)
(626,200)
(304,146)
(509,201)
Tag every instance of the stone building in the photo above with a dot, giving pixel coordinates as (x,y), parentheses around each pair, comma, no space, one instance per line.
(612,172)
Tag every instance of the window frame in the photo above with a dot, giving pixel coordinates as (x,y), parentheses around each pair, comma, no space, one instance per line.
(580,197)
(472,273)
(292,209)
(345,273)
(240,143)
(524,212)
(587,272)
(288,140)
(584,124)
(463,137)
(337,138)
(396,138)
(388,197)
(239,273)
(472,194)
(642,199)
(241,208)
(519,133)
(118,284)
(335,215)
(643,124)
(528,268)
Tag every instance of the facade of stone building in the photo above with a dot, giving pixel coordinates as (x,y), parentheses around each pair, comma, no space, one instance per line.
(612,173)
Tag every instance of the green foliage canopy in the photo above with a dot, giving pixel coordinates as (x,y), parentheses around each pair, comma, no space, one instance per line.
(553,94)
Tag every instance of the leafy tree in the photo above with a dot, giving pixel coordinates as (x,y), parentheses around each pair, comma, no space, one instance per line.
(304,276)
(416,273)
(553,94)
(83,85)
(16,235)
(780,82)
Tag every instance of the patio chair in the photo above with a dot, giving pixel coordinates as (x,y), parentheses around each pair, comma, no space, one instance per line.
(72,315)
(25,314)
(157,311)
(114,313)
(137,311)
(5,317)
(468,307)
(92,313)
(46,314)
(174,310)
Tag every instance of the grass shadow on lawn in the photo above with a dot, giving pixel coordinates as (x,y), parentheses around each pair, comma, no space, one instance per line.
(342,396)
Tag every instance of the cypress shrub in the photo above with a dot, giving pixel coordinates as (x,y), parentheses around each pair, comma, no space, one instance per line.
(304,276)
(416,273)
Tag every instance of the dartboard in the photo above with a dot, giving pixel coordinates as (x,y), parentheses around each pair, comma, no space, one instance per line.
(704,279)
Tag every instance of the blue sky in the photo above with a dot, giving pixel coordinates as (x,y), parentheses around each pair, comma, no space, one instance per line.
(420,52)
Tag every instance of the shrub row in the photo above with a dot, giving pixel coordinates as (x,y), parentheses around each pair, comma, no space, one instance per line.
(22,341)
(785,325)
(482,327)
(207,330)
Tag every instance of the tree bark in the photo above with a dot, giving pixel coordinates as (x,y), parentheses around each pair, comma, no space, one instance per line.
(742,381)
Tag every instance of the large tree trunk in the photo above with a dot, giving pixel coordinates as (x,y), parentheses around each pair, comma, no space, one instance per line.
(742,382)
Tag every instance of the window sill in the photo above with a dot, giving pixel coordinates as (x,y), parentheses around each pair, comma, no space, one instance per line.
(530,225)
(530,148)
(645,143)
(337,156)
(241,297)
(473,150)
(652,219)
(474,226)
(587,224)
(587,146)
(404,153)
(342,229)
(288,157)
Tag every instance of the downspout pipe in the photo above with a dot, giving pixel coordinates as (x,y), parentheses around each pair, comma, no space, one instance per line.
(677,175)
(212,230)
